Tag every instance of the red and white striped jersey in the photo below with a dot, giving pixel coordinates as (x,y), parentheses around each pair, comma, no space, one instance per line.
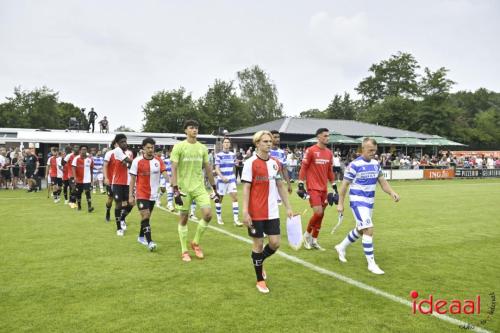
(120,170)
(68,167)
(55,167)
(148,177)
(83,170)
(109,157)
(262,174)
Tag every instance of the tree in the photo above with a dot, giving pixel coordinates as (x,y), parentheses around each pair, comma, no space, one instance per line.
(313,113)
(123,128)
(259,94)
(167,111)
(395,77)
(31,109)
(393,111)
(342,108)
(222,108)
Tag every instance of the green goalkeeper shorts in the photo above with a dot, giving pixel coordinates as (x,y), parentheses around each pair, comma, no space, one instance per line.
(199,195)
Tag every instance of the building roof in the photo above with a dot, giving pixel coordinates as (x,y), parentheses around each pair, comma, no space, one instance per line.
(28,135)
(308,126)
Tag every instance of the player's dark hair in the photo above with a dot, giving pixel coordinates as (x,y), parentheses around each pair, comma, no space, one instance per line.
(275,132)
(113,143)
(321,130)
(226,138)
(191,122)
(120,136)
(68,149)
(81,146)
(158,149)
(148,140)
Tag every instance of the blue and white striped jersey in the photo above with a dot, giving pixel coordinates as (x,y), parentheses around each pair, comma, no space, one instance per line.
(280,155)
(226,163)
(98,164)
(363,176)
(168,166)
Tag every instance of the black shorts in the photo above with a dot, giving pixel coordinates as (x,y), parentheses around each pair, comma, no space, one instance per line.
(80,188)
(120,192)
(145,204)
(66,182)
(109,191)
(56,181)
(6,174)
(337,169)
(30,174)
(15,171)
(269,227)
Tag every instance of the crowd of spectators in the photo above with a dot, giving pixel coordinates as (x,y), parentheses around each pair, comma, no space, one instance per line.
(20,168)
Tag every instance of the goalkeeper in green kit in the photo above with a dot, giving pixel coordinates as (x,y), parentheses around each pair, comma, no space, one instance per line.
(189,157)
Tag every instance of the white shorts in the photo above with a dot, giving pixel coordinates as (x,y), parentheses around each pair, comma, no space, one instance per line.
(363,217)
(98,176)
(164,183)
(225,188)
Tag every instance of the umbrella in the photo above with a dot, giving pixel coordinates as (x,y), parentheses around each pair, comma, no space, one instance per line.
(380,140)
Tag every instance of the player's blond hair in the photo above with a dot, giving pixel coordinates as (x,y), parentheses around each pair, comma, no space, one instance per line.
(258,136)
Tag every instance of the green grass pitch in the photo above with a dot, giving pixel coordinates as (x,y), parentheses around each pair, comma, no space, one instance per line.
(64,271)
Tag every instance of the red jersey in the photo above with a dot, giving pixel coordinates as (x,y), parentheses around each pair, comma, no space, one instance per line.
(83,169)
(262,174)
(109,157)
(68,167)
(120,170)
(317,168)
(55,167)
(148,177)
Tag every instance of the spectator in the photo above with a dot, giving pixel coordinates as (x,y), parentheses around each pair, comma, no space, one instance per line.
(239,164)
(337,169)
(479,162)
(16,168)
(497,162)
(292,163)
(104,125)
(490,164)
(92,118)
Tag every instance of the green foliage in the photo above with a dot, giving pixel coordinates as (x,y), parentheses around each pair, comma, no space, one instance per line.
(167,110)
(394,77)
(313,113)
(123,128)
(259,94)
(39,108)
(222,108)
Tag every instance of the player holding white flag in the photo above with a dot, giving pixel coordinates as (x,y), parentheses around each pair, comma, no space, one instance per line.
(362,176)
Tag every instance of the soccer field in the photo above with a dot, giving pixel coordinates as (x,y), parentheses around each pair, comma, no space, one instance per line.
(63,270)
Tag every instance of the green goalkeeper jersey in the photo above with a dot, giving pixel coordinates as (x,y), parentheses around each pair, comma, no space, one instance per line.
(190,158)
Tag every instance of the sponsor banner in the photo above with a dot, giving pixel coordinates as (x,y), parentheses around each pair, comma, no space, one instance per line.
(407,174)
(387,174)
(439,173)
(477,173)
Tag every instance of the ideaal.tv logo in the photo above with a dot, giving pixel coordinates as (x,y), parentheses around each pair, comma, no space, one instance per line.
(441,306)
(431,306)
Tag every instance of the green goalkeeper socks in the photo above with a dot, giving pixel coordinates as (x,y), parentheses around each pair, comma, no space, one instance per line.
(202,225)
(183,235)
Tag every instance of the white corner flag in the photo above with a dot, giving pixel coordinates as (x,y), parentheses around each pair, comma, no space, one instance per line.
(294,231)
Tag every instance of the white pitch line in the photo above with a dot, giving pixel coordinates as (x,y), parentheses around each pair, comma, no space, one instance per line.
(346,279)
